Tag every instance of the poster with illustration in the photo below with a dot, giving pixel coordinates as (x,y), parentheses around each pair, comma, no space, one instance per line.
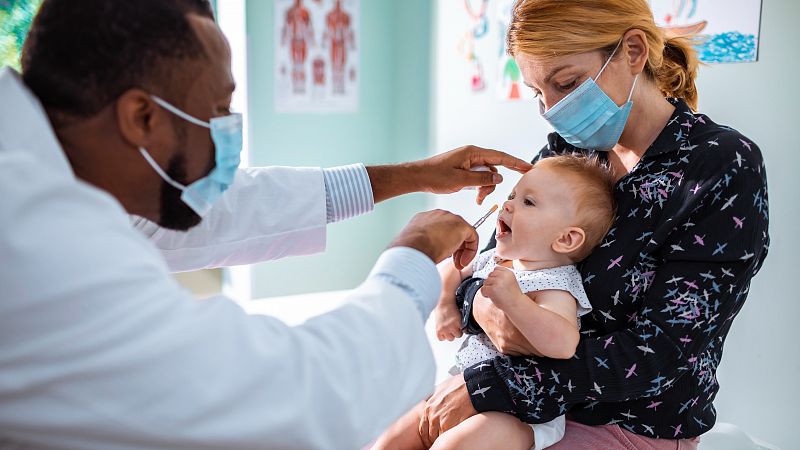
(728,30)
(510,85)
(486,64)
(15,20)
(316,56)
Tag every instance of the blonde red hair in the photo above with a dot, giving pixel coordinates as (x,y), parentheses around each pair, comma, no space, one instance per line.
(553,28)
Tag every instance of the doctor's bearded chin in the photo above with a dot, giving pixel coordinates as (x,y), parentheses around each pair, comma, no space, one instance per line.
(175,214)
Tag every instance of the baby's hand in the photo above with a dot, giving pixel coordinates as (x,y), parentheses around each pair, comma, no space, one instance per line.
(501,287)
(448,321)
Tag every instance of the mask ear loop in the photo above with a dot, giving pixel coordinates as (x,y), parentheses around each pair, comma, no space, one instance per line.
(179,113)
(635,79)
(608,60)
(630,95)
(160,171)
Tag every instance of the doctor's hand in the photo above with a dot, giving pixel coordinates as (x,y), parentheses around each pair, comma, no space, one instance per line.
(447,407)
(444,174)
(440,234)
(450,172)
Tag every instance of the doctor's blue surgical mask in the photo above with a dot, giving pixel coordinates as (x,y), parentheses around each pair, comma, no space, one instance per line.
(587,118)
(226,133)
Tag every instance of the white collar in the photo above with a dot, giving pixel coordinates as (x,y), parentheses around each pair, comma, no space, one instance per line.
(24,126)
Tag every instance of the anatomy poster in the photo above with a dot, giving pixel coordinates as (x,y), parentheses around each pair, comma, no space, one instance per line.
(316,56)
(728,29)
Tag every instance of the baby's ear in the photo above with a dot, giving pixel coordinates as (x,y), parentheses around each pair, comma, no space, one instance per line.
(570,240)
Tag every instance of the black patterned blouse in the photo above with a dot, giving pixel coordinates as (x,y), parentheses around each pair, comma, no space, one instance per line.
(666,284)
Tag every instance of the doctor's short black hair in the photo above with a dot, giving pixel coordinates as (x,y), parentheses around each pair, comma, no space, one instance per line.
(81,55)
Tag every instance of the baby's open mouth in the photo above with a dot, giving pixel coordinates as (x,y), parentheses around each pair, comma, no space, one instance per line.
(502,229)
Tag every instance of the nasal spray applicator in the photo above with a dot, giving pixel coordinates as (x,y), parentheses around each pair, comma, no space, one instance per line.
(485,216)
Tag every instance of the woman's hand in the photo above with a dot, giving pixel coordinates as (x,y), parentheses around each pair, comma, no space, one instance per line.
(498,327)
(447,407)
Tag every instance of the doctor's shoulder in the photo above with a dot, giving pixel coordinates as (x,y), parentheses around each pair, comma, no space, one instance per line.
(25,180)
(17,170)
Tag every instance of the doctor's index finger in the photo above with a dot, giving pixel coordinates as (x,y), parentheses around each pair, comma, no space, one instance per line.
(489,157)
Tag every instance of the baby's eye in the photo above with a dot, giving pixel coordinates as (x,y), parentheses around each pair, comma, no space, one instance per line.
(529,202)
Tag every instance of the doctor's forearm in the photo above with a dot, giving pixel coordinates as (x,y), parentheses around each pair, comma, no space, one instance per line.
(393,181)
(443,174)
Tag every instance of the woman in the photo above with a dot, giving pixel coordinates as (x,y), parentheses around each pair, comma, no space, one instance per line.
(670,277)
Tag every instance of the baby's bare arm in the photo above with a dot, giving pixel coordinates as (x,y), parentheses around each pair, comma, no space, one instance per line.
(548,320)
(446,314)
(452,277)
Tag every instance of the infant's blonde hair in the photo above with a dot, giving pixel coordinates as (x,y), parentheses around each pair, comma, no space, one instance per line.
(594,195)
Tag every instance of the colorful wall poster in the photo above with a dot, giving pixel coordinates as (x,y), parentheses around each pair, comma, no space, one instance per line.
(728,30)
(486,64)
(316,56)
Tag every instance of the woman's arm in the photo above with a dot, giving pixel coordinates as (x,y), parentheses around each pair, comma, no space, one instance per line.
(683,314)
(548,322)
(499,328)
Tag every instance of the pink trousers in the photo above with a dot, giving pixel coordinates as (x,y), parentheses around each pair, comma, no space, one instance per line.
(612,437)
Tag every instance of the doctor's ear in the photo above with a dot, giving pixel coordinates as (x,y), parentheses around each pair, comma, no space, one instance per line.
(570,240)
(636,50)
(136,115)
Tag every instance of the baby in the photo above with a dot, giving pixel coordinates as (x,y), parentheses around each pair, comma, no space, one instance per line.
(557,213)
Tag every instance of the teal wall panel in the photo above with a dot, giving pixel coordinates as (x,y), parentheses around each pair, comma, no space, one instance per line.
(391,125)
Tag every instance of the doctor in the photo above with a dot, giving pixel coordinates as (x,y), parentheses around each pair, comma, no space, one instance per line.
(122,108)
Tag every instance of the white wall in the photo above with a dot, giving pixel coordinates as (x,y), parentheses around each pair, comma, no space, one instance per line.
(760,365)
(461,117)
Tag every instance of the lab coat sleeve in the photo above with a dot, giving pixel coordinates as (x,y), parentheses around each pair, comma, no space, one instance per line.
(100,348)
(348,192)
(268,213)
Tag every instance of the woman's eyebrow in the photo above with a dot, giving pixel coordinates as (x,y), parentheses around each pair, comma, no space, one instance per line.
(550,75)
(555,71)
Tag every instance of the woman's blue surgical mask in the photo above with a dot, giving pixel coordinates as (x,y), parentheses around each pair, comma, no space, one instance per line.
(226,133)
(587,118)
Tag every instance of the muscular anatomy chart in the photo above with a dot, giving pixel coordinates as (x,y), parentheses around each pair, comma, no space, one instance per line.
(340,37)
(316,55)
(298,34)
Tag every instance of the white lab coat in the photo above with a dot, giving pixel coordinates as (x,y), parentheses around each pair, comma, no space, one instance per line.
(101,349)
